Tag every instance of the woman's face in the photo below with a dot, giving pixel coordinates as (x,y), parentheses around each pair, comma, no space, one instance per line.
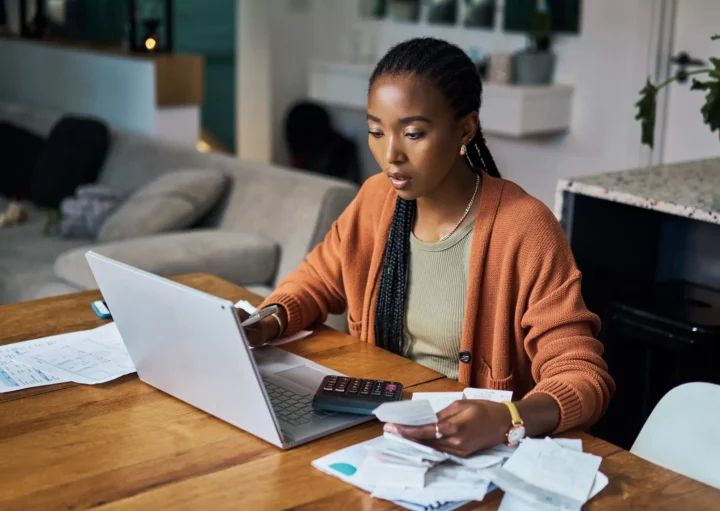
(414,135)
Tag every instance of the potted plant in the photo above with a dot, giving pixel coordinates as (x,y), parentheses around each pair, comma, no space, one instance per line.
(647,104)
(536,64)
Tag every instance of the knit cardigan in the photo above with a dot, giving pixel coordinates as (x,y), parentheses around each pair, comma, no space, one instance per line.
(525,328)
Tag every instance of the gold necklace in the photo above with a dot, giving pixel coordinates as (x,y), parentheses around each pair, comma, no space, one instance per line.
(467,210)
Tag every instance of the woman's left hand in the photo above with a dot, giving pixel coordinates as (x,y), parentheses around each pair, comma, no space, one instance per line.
(467,426)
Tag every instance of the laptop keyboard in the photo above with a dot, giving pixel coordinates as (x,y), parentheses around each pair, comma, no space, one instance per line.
(291,407)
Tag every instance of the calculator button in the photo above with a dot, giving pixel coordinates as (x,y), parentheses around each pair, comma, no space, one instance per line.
(378,388)
(354,386)
(391,387)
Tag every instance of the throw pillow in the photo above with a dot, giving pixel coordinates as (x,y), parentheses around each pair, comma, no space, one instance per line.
(19,150)
(171,202)
(83,215)
(73,155)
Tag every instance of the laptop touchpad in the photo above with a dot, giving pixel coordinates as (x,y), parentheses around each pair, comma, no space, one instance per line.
(305,376)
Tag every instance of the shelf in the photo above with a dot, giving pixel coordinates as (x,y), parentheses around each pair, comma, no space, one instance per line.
(507,110)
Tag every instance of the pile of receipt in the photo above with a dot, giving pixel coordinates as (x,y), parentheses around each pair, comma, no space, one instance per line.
(539,474)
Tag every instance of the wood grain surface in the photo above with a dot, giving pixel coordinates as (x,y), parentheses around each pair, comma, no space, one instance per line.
(126,445)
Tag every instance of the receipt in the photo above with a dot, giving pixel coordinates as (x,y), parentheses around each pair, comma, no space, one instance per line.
(514,503)
(400,446)
(439,400)
(562,477)
(407,413)
(444,483)
(488,394)
(379,470)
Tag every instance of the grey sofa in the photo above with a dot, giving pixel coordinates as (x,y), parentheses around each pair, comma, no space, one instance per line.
(263,226)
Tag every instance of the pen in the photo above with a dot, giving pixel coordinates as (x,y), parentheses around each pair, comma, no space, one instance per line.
(260,315)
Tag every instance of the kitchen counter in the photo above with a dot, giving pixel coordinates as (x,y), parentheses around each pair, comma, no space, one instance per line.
(688,189)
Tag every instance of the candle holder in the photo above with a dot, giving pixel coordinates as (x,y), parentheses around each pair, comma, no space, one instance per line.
(151,23)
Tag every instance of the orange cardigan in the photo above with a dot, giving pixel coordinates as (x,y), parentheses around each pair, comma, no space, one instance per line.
(526,327)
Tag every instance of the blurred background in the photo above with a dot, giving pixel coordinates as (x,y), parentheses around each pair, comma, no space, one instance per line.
(258,60)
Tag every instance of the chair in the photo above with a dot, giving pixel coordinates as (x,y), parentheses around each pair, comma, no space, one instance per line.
(683,433)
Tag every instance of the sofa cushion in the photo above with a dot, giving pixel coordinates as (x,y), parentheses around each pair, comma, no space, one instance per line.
(19,150)
(171,202)
(72,155)
(240,258)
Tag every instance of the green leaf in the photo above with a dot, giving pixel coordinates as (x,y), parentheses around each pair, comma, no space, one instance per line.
(698,85)
(647,107)
(711,108)
(715,37)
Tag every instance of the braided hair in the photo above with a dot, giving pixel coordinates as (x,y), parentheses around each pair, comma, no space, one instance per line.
(448,68)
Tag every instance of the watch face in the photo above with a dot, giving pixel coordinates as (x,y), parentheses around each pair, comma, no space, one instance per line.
(515,435)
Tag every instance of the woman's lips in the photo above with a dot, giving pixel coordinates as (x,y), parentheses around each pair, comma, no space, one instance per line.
(399,181)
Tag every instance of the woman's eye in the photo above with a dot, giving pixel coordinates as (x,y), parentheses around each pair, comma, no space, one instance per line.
(415,135)
(376,134)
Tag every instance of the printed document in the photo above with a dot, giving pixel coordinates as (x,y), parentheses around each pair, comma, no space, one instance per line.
(89,357)
(17,376)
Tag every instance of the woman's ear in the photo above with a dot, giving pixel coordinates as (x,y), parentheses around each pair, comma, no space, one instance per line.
(469,126)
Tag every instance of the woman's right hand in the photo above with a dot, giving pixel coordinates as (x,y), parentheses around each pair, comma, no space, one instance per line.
(263,331)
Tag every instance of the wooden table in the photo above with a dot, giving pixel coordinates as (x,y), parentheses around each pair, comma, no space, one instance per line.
(125,445)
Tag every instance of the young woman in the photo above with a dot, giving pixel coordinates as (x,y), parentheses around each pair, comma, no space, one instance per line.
(442,261)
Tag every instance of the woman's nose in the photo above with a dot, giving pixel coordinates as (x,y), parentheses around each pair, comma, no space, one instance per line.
(393,153)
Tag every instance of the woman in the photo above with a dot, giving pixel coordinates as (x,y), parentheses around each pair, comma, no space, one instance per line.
(442,261)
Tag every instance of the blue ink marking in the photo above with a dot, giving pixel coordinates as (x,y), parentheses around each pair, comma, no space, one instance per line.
(344,468)
(5,378)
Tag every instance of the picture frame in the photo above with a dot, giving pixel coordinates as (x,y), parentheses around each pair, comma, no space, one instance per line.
(404,10)
(565,15)
(480,13)
(442,12)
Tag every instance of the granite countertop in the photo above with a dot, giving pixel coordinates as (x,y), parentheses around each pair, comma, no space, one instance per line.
(689,189)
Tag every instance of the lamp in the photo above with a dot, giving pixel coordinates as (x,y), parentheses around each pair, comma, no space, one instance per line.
(151,25)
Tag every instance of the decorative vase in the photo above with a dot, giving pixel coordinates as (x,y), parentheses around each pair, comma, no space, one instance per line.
(534,67)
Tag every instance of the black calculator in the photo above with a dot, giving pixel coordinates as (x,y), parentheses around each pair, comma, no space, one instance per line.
(355,395)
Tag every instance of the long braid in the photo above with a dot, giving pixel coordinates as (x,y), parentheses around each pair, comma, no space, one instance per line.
(453,73)
(390,310)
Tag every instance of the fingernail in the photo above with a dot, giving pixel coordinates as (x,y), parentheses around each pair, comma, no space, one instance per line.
(390,428)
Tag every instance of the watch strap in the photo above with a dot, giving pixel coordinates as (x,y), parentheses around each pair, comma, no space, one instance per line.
(514,413)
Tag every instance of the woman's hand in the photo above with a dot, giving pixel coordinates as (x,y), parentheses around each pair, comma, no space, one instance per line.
(263,331)
(467,426)
(470,425)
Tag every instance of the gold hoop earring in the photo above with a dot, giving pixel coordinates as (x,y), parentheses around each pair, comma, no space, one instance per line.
(463,150)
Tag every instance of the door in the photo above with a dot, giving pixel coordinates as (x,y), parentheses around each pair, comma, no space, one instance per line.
(686,136)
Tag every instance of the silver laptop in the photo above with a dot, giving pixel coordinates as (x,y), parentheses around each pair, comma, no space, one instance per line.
(190,344)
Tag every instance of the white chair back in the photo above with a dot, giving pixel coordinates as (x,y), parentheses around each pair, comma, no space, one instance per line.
(683,433)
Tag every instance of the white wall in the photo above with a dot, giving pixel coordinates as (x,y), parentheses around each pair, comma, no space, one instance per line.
(255,100)
(607,63)
(119,90)
(179,124)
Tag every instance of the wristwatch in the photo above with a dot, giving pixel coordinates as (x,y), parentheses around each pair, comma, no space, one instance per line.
(517,429)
